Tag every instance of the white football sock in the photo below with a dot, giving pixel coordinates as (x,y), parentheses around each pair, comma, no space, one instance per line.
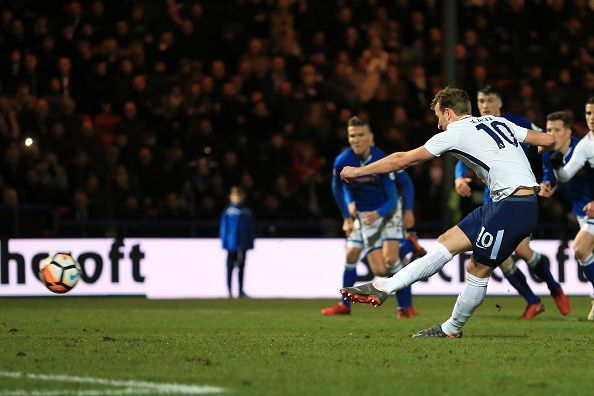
(422,267)
(471,296)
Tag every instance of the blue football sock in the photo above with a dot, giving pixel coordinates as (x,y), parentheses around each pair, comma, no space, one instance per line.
(404,297)
(518,281)
(405,248)
(349,277)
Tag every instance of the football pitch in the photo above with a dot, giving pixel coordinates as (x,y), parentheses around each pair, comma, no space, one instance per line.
(134,346)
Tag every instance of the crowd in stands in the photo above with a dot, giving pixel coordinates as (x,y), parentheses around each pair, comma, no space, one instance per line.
(151,110)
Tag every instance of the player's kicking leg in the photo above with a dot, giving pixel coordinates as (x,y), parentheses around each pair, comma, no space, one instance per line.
(451,242)
(496,229)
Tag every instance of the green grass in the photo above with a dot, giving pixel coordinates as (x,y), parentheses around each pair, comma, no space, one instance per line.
(285,347)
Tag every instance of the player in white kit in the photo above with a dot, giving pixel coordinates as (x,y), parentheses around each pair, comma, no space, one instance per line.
(578,165)
(491,231)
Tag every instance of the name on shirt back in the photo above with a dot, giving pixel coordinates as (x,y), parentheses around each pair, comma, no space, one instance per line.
(482,119)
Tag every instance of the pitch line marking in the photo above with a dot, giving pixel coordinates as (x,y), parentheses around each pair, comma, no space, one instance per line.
(86,392)
(129,386)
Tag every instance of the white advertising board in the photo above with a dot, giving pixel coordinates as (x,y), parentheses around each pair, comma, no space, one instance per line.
(276,268)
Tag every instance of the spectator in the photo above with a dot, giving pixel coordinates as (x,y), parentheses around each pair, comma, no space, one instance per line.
(222,101)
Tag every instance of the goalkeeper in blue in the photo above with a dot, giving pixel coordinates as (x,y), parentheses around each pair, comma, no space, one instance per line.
(372,218)
(572,163)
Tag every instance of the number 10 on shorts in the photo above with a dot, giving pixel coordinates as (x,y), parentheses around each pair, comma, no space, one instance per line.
(485,240)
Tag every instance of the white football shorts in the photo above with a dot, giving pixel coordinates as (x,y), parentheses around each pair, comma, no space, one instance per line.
(372,236)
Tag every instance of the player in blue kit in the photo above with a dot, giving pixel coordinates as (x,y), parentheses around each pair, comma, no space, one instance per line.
(489,102)
(408,245)
(404,209)
(372,223)
(574,159)
(492,231)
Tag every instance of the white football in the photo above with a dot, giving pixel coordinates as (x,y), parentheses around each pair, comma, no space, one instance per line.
(59,273)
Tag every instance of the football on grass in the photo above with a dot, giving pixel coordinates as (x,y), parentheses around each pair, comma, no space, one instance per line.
(59,272)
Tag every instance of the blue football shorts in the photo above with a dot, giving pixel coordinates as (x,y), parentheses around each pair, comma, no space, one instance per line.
(496,228)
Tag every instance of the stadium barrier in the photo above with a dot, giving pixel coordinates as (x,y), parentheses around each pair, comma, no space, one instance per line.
(276,268)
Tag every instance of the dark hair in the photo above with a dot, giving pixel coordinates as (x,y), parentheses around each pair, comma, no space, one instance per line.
(489,90)
(561,116)
(590,100)
(453,98)
(357,122)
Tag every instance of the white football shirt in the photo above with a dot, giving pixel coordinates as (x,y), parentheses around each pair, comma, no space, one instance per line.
(583,152)
(490,146)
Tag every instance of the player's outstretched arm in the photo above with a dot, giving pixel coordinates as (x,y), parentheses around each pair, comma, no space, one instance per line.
(392,163)
(577,161)
(565,173)
(546,141)
(562,175)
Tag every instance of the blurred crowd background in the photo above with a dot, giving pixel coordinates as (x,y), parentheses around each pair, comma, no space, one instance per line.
(142,114)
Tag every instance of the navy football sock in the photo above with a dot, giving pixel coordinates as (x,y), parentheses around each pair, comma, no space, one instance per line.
(405,248)
(404,297)
(518,281)
(542,270)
